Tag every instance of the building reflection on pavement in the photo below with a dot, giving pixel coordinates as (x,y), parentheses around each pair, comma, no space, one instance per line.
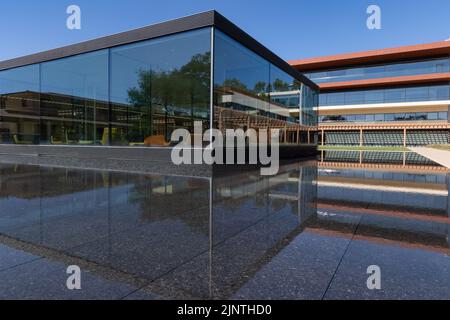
(303,234)
(141,229)
(394,206)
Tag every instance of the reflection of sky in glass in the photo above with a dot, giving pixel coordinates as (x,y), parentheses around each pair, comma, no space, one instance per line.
(390,70)
(234,61)
(277,74)
(19,80)
(84,76)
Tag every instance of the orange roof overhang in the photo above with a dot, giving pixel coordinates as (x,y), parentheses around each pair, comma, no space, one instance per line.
(430,50)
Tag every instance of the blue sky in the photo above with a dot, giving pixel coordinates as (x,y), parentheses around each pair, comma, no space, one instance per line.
(291,28)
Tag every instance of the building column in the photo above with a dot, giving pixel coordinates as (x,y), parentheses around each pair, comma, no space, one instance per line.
(404,138)
(309,137)
(361,138)
(323,137)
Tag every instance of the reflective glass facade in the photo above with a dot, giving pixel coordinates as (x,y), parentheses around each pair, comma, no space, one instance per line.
(74,99)
(414,116)
(382,71)
(19,105)
(391,95)
(410,112)
(139,93)
(119,96)
(160,85)
(310,100)
(247,84)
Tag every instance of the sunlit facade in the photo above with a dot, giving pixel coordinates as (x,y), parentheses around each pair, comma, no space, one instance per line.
(134,89)
(392,97)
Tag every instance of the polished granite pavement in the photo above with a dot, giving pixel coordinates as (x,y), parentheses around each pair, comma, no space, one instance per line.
(301,234)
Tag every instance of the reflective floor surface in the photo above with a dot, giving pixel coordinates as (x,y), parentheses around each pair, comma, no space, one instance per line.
(310,232)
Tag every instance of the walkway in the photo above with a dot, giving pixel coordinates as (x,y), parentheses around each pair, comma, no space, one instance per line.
(439,156)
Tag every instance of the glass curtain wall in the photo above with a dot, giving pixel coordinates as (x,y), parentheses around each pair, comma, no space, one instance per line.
(310,100)
(241,83)
(414,116)
(74,100)
(282,84)
(138,94)
(158,86)
(19,105)
(249,91)
(391,95)
(382,71)
(131,95)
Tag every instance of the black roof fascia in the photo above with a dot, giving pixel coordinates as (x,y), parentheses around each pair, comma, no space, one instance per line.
(197,21)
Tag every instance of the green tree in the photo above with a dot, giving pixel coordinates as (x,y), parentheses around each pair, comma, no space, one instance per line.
(235,84)
(180,90)
(280,85)
(260,87)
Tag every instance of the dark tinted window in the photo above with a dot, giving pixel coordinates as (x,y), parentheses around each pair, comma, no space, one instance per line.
(390,70)
(74,106)
(158,86)
(19,105)
(396,95)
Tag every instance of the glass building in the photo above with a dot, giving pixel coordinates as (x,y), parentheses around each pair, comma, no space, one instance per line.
(382,98)
(134,89)
(408,68)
